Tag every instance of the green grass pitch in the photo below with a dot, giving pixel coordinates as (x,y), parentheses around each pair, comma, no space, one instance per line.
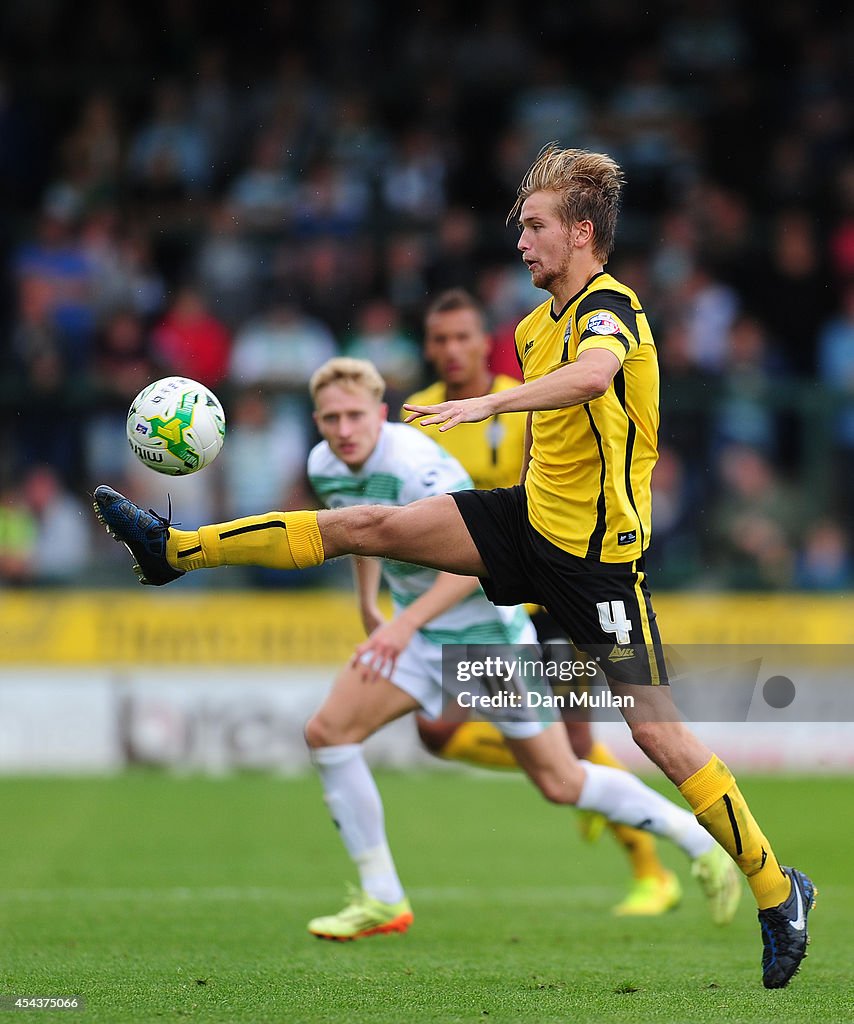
(163,898)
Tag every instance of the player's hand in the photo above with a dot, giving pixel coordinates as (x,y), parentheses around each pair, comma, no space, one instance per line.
(379,653)
(449,414)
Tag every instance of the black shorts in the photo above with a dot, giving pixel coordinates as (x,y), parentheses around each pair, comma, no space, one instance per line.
(603,607)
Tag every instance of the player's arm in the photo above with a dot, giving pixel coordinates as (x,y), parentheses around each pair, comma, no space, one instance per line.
(389,640)
(526,452)
(588,378)
(367,572)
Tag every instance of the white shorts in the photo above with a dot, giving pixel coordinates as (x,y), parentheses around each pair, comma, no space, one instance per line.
(418,672)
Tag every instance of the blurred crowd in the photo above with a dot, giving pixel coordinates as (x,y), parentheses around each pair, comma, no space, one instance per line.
(238,194)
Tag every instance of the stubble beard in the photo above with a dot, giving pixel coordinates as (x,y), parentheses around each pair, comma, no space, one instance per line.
(549,280)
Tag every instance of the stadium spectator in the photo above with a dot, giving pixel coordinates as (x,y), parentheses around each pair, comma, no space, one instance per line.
(18,533)
(824,560)
(794,269)
(330,275)
(293,104)
(454,257)
(644,114)
(227,266)
(415,177)
(675,560)
(43,367)
(61,549)
(703,309)
(123,272)
(379,338)
(262,193)
(404,276)
(330,201)
(55,263)
(268,442)
(212,107)
(745,413)
(191,341)
(355,138)
(94,150)
(280,349)
(546,103)
(755,523)
(169,156)
(836,371)
(122,364)
(841,244)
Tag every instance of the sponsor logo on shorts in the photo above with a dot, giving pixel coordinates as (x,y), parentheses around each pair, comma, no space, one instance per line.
(621,653)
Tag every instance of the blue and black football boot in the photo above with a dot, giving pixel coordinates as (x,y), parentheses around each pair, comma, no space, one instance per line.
(144,534)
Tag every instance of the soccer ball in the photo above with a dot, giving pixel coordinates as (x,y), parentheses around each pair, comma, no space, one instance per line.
(176,426)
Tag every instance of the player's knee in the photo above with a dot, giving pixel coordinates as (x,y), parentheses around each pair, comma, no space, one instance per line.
(559,788)
(319,733)
(363,526)
(434,734)
(649,737)
(580,737)
(389,528)
(370,528)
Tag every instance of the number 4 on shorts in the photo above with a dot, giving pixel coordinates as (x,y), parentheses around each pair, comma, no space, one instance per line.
(612,619)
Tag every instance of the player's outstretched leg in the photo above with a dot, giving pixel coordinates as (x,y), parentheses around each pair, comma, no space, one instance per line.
(277,540)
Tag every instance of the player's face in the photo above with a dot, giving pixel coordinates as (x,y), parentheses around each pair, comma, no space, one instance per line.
(350,420)
(457,346)
(545,242)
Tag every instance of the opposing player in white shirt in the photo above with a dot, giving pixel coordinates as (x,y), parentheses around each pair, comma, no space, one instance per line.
(363,459)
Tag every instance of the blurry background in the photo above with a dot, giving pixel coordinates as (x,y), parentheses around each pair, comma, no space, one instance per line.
(237,194)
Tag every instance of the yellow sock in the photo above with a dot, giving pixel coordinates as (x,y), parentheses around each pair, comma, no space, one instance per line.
(479,743)
(721,809)
(639,845)
(277,540)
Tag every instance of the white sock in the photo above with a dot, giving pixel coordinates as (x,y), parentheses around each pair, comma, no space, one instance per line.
(356,808)
(623,798)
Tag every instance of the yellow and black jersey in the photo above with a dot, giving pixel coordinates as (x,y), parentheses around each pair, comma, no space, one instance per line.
(588,481)
(491,451)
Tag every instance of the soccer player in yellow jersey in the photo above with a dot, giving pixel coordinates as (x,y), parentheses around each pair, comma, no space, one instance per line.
(572,538)
(457,345)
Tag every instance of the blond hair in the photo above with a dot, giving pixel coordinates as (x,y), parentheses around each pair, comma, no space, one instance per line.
(587,186)
(347,373)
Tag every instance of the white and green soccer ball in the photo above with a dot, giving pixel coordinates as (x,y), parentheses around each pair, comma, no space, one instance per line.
(176,426)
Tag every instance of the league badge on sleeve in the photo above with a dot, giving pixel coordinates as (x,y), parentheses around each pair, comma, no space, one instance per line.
(603,323)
